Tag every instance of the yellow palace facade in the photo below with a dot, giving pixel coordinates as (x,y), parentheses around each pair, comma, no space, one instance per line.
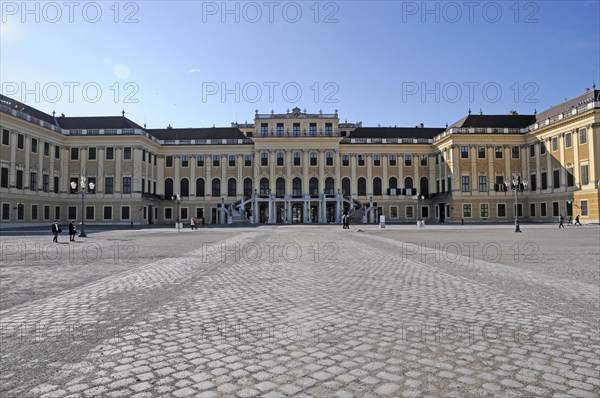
(299,167)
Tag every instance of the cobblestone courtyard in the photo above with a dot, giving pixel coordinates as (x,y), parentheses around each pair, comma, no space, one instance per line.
(312,311)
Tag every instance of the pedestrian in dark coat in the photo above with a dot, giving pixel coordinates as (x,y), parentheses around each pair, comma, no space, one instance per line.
(561,225)
(72,231)
(577,220)
(56,230)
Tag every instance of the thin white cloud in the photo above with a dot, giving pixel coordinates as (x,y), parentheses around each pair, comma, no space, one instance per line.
(194,70)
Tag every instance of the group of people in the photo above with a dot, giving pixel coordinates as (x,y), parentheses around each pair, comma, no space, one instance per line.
(346,220)
(56,229)
(194,222)
(562,219)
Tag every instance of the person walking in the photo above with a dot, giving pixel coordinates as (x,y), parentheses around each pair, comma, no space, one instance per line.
(192,224)
(577,221)
(72,231)
(561,225)
(56,230)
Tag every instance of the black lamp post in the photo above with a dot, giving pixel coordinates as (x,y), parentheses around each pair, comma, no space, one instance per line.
(516,187)
(177,200)
(84,188)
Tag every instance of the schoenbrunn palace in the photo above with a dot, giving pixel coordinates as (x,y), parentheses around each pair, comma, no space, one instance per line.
(299,167)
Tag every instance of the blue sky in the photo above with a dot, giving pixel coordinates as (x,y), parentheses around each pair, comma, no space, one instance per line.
(199,63)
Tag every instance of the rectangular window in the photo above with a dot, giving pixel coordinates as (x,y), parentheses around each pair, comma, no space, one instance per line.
(392,160)
(312,129)
(466,210)
(184,213)
(329,158)
(424,160)
(231,160)
(126,184)
(143,155)
(515,152)
(200,160)
(6,211)
(279,129)
(89,212)
(125,212)
(109,153)
(533,182)
(481,152)
(92,153)
(361,160)
(4,177)
(185,160)
(5,137)
(56,184)
(328,129)
(46,212)
(531,150)
(499,152)
(264,129)
(482,183)
(570,177)
(554,144)
(107,213)
(216,160)
(34,143)
(264,159)
(484,210)
(168,161)
(544,180)
(582,136)
(46,149)
(34,212)
(33,181)
(20,211)
(127,153)
(568,142)
(247,160)
(313,158)
(409,212)
(74,153)
(542,148)
(585,178)
(168,213)
(501,210)
(543,209)
(556,178)
(555,209)
(532,209)
(297,158)
(109,185)
(20,141)
(72,212)
(19,179)
(279,158)
(583,204)
(296,129)
(345,160)
(465,184)
(376,160)
(408,160)
(464,152)
(56,152)
(46,183)
(57,212)
(393,212)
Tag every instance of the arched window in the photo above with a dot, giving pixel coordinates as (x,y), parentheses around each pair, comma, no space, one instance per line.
(200,187)
(184,187)
(408,183)
(424,186)
(377,186)
(231,187)
(248,187)
(264,186)
(216,187)
(329,186)
(280,187)
(297,186)
(362,187)
(313,186)
(168,188)
(393,183)
(346,186)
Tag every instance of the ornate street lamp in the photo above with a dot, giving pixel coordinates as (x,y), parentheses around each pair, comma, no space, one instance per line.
(177,199)
(84,189)
(515,186)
